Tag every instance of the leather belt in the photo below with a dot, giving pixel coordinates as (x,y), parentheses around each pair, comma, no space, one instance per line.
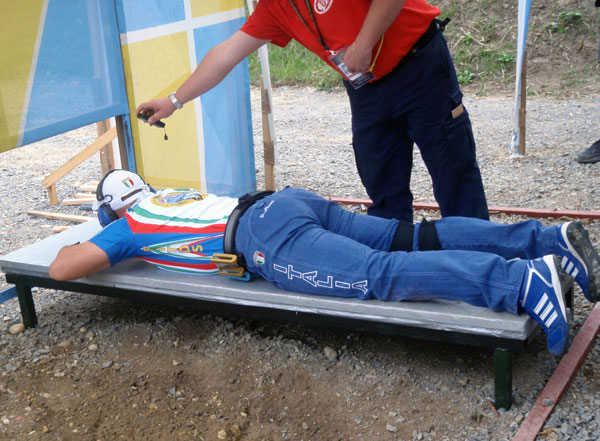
(424,39)
(244,203)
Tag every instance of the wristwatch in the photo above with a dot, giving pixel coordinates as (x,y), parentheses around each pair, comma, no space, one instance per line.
(175,101)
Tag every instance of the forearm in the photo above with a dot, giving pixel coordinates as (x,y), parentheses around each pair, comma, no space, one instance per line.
(210,72)
(381,15)
(216,64)
(79,260)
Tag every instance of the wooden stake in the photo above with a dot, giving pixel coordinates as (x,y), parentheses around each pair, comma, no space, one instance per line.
(268,147)
(522,109)
(52,194)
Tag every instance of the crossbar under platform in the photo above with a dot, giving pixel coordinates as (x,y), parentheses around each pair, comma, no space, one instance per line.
(439,320)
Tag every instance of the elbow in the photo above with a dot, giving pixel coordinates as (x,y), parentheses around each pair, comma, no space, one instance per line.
(62,270)
(57,272)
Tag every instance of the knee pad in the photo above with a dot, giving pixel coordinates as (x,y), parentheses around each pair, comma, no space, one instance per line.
(403,237)
(428,237)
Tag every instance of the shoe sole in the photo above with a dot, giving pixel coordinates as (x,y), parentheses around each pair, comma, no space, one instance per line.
(579,244)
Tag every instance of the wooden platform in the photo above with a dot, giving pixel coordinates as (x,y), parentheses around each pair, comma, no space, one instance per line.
(446,321)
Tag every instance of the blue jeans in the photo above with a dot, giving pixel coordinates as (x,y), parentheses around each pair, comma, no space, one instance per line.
(304,243)
(413,104)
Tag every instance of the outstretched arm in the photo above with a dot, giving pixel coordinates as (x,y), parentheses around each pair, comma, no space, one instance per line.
(217,63)
(381,14)
(76,261)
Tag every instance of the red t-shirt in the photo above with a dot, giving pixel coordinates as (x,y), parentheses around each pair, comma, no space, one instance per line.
(339,22)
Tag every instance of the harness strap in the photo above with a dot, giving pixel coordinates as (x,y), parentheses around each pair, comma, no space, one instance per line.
(232,263)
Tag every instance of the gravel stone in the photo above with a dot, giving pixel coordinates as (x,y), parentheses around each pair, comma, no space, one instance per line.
(374,379)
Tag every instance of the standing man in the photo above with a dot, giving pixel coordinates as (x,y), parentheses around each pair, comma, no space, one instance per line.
(402,87)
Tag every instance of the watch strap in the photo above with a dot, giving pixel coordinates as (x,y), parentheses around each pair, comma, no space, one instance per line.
(175,101)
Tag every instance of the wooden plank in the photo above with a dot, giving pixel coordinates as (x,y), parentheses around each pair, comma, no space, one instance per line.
(86,195)
(60,228)
(60,216)
(561,379)
(79,157)
(78,201)
(88,187)
(530,212)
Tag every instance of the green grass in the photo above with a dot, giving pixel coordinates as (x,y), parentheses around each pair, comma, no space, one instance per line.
(295,65)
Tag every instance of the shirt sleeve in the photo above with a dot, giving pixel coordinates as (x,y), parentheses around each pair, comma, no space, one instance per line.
(117,241)
(265,25)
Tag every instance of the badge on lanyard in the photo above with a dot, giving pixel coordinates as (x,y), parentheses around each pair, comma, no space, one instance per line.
(357,80)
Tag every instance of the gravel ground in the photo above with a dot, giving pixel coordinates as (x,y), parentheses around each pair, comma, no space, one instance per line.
(83,373)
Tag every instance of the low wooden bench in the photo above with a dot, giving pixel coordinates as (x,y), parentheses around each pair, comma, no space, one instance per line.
(445,321)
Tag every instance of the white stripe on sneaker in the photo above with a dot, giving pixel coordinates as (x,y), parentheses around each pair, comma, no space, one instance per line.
(540,304)
(570,267)
(574,273)
(547,311)
(551,319)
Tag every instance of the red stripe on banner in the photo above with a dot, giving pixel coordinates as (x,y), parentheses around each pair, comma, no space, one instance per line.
(203,266)
(531,212)
(561,379)
(144,228)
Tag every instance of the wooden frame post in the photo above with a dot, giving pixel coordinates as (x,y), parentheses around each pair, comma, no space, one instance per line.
(107,159)
(268,147)
(523,108)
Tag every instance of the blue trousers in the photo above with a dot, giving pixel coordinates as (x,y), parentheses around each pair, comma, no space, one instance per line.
(413,104)
(304,243)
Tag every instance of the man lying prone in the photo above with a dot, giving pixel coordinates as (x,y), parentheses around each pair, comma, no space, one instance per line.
(305,243)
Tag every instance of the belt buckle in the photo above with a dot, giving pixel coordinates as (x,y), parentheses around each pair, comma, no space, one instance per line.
(228,266)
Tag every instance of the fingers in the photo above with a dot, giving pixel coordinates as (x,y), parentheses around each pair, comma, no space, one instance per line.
(157,109)
(357,61)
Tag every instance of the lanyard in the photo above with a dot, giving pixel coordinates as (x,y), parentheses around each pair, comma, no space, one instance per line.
(312,17)
(320,39)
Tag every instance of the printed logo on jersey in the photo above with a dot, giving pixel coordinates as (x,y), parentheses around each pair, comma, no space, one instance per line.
(259,258)
(177,198)
(322,6)
(189,248)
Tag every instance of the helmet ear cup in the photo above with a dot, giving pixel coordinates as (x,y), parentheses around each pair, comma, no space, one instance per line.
(106,215)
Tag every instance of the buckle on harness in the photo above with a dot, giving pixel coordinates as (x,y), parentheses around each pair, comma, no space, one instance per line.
(228,266)
(442,24)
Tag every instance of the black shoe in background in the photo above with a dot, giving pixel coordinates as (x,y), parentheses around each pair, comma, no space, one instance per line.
(590,155)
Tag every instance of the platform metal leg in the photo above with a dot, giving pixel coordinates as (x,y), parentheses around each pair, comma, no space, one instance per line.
(503,378)
(27,306)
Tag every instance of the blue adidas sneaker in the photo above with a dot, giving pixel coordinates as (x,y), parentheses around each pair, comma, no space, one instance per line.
(543,299)
(579,258)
